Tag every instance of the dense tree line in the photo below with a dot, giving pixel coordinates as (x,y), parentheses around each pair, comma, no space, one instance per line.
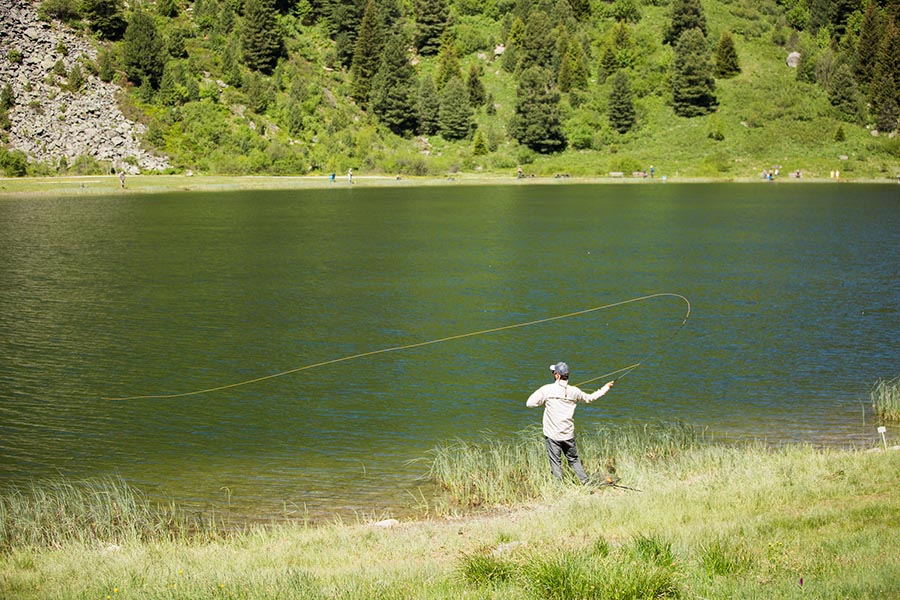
(408,68)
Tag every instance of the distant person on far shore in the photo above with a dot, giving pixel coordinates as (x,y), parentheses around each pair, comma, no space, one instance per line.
(349,175)
(122,179)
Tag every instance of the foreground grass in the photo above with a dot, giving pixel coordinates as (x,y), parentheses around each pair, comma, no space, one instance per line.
(711,521)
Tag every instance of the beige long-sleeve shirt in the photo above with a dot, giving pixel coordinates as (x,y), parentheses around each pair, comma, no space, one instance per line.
(559,400)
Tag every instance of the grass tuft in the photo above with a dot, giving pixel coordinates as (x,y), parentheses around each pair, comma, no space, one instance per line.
(54,513)
(886,399)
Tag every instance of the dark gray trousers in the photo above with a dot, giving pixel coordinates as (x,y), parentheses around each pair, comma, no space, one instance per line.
(556,449)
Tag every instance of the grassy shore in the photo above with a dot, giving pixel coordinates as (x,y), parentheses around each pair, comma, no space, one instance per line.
(109,184)
(710,521)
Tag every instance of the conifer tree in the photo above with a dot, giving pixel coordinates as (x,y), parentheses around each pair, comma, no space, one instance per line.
(513,42)
(818,14)
(262,39)
(885,88)
(844,94)
(537,123)
(693,84)
(538,46)
(479,145)
(621,105)
(448,65)
(142,50)
(231,69)
(727,64)
(343,18)
(870,32)
(428,106)
(367,54)
(455,114)
(394,88)
(686,14)
(609,63)
(105,18)
(573,73)
(431,21)
(581,9)
(838,13)
(475,86)
(167,8)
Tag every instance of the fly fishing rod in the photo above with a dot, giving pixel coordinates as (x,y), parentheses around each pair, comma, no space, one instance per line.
(333,361)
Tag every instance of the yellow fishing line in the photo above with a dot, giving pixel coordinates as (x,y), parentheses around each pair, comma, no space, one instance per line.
(626,370)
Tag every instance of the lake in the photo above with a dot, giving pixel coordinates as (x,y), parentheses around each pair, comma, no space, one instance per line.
(794,291)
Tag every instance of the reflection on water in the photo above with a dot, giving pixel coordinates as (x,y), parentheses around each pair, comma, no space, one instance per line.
(796,312)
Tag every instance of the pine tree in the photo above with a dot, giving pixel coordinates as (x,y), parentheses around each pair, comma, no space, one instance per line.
(105,18)
(581,9)
(573,73)
(727,64)
(870,32)
(394,88)
(838,13)
(455,114)
(844,94)
(693,84)
(609,63)
(431,21)
(885,88)
(231,69)
(818,14)
(428,106)
(621,105)
(167,8)
(686,14)
(7,97)
(448,65)
(142,50)
(479,145)
(262,39)
(367,54)
(105,64)
(537,123)
(343,18)
(475,86)
(513,42)
(538,46)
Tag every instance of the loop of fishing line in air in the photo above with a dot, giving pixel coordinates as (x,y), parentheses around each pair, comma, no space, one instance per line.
(624,371)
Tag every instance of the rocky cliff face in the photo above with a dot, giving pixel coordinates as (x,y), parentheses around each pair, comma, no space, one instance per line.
(48,122)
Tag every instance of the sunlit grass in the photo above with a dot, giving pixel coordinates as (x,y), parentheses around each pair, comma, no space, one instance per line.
(54,513)
(710,521)
(886,399)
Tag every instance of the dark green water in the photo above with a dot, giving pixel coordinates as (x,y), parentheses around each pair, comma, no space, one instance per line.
(795,291)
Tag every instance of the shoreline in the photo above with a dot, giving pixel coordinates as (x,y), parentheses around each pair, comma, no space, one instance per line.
(101,185)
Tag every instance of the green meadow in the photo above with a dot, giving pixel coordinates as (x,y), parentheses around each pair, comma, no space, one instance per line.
(671,514)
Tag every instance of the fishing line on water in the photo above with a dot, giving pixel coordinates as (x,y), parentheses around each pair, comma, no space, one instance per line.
(624,371)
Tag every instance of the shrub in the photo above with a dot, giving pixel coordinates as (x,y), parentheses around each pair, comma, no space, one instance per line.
(14,163)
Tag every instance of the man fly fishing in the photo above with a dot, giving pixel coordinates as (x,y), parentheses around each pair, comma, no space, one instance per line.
(559,400)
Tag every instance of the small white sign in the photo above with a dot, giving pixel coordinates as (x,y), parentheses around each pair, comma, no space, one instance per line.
(882,429)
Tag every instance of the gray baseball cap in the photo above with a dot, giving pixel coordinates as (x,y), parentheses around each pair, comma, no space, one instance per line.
(561,368)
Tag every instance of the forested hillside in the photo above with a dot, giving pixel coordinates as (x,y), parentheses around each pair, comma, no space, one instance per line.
(721,88)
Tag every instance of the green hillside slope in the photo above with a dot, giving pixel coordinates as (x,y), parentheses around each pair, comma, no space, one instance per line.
(556,87)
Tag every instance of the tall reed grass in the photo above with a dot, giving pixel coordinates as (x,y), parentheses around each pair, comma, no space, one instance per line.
(886,399)
(55,512)
(508,471)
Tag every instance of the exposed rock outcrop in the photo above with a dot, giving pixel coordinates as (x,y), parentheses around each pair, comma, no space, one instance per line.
(48,122)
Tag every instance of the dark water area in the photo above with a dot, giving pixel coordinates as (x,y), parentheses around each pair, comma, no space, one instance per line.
(794,290)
